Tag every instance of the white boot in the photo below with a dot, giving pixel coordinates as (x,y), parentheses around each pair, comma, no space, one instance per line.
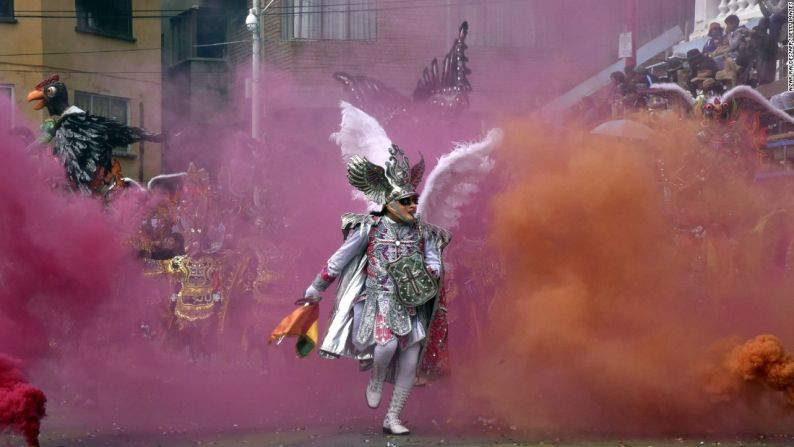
(391,423)
(375,386)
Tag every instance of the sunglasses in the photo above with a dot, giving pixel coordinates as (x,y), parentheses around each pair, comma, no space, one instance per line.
(405,201)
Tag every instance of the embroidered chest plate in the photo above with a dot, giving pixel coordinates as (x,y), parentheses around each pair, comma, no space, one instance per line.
(389,242)
(413,284)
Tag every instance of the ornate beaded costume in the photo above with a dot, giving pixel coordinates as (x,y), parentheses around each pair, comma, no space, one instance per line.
(389,311)
(367,291)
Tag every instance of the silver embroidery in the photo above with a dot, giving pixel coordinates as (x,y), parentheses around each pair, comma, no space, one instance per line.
(389,242)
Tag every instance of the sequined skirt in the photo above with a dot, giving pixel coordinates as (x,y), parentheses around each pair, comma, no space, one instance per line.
(370,328)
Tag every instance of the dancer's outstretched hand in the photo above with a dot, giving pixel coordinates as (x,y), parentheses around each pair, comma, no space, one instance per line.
(311,296)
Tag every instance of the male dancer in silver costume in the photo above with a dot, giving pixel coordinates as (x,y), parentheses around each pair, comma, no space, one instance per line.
(389,271)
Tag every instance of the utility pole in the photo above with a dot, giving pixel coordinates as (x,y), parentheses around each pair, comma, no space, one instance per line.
(142,153)
(252,22)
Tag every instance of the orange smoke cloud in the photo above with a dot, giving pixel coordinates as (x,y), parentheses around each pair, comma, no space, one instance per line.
(760,361)
(625,261)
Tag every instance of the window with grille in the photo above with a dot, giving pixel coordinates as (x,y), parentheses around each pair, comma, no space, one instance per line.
(108,106)
(238,11)
(6,108)
(107,18)
(198,32)
(6,10)
(330,20)
(511,24)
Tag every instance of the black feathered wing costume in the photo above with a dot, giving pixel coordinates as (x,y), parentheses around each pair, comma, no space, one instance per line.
(85,143)
(442,89)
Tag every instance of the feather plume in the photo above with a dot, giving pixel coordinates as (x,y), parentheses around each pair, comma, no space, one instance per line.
(749,98)
(673,91)
(361,135)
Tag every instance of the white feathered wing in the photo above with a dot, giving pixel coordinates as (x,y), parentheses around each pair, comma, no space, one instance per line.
(455,178)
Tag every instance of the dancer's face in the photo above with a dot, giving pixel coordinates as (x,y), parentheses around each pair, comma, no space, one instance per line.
(403,210)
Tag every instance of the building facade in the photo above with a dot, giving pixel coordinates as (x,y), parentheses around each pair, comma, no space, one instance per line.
(305,41)
(108,55)
(521,53)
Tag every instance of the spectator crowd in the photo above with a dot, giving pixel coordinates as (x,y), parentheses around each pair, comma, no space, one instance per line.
(733,55)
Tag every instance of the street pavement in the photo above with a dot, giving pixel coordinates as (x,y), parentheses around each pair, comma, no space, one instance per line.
(344,437)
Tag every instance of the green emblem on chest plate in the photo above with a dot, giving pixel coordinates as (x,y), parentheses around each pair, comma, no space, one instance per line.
(413,283)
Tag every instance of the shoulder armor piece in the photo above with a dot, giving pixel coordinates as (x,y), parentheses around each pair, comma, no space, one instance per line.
(440,235)
(353,220)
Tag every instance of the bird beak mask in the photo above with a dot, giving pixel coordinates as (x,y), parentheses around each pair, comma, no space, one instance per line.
(36,95)
(43,92)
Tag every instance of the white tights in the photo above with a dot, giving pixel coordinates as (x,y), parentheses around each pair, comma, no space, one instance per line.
(406,362)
